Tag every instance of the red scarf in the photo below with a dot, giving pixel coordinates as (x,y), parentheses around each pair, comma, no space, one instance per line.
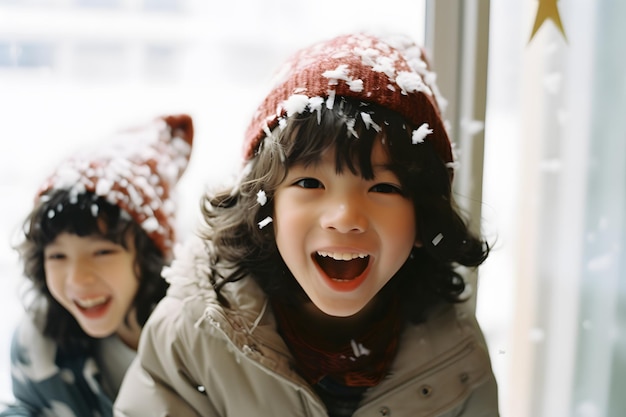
(356,360)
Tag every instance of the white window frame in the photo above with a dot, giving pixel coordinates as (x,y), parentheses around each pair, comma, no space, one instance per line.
(457,41)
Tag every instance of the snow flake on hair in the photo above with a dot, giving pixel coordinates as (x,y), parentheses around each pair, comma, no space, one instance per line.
(420,133)
(297,104)
(315,105)
(265,222)
(367,120)
(261,197)
(330,101)
(350,122)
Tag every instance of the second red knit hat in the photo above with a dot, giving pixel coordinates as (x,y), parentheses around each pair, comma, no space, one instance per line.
(135,169)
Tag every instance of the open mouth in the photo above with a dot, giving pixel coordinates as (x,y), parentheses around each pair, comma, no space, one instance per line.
(91,302)
(93,307)
(342,266)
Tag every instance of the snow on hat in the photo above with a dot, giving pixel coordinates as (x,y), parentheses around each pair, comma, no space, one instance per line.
(135,169)
(390,71)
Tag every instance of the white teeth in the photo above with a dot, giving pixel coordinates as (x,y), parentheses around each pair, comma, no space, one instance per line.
(91,302)
(338,256)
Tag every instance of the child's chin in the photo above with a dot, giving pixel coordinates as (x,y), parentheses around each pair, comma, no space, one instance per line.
(339,310)
(97,332)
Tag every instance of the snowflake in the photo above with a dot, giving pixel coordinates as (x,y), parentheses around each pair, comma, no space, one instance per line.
(420,133)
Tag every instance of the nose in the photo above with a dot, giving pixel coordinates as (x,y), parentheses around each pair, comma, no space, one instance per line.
(344,216)
(80,273)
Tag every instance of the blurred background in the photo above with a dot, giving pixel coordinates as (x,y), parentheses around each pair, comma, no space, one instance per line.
(537,118)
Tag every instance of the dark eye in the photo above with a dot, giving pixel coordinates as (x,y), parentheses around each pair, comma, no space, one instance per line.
(386,188)
(309,183)
(55,256)
(104,252)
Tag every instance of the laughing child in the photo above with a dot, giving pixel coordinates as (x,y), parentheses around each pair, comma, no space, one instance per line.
(93,248)
(326,280)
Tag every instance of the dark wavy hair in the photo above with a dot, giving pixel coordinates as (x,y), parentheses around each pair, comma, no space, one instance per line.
(58,212)
(427,278)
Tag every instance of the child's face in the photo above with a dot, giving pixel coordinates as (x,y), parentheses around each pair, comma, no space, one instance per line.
(93,278)
(343,237)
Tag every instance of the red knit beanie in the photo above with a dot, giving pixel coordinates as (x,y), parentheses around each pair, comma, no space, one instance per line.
(390,71)
(136,169)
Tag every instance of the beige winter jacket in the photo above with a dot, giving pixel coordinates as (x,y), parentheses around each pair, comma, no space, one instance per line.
(197,358)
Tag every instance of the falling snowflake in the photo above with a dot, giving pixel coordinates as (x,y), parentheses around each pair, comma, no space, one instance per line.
(358,349)
(437,239)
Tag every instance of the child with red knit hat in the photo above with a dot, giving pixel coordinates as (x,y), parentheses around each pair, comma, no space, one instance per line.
(94,245)
(325,282)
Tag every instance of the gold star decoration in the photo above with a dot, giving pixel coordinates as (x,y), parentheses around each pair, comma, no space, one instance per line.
(547,10)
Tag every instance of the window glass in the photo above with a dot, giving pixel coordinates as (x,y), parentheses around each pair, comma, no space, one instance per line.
(109,4)
(163,5)
(100,61)
(7,54)
(26,54)
(555,198)
(162,62)
(35,54)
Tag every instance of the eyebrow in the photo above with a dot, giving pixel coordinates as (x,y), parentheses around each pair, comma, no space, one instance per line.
(383,167)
